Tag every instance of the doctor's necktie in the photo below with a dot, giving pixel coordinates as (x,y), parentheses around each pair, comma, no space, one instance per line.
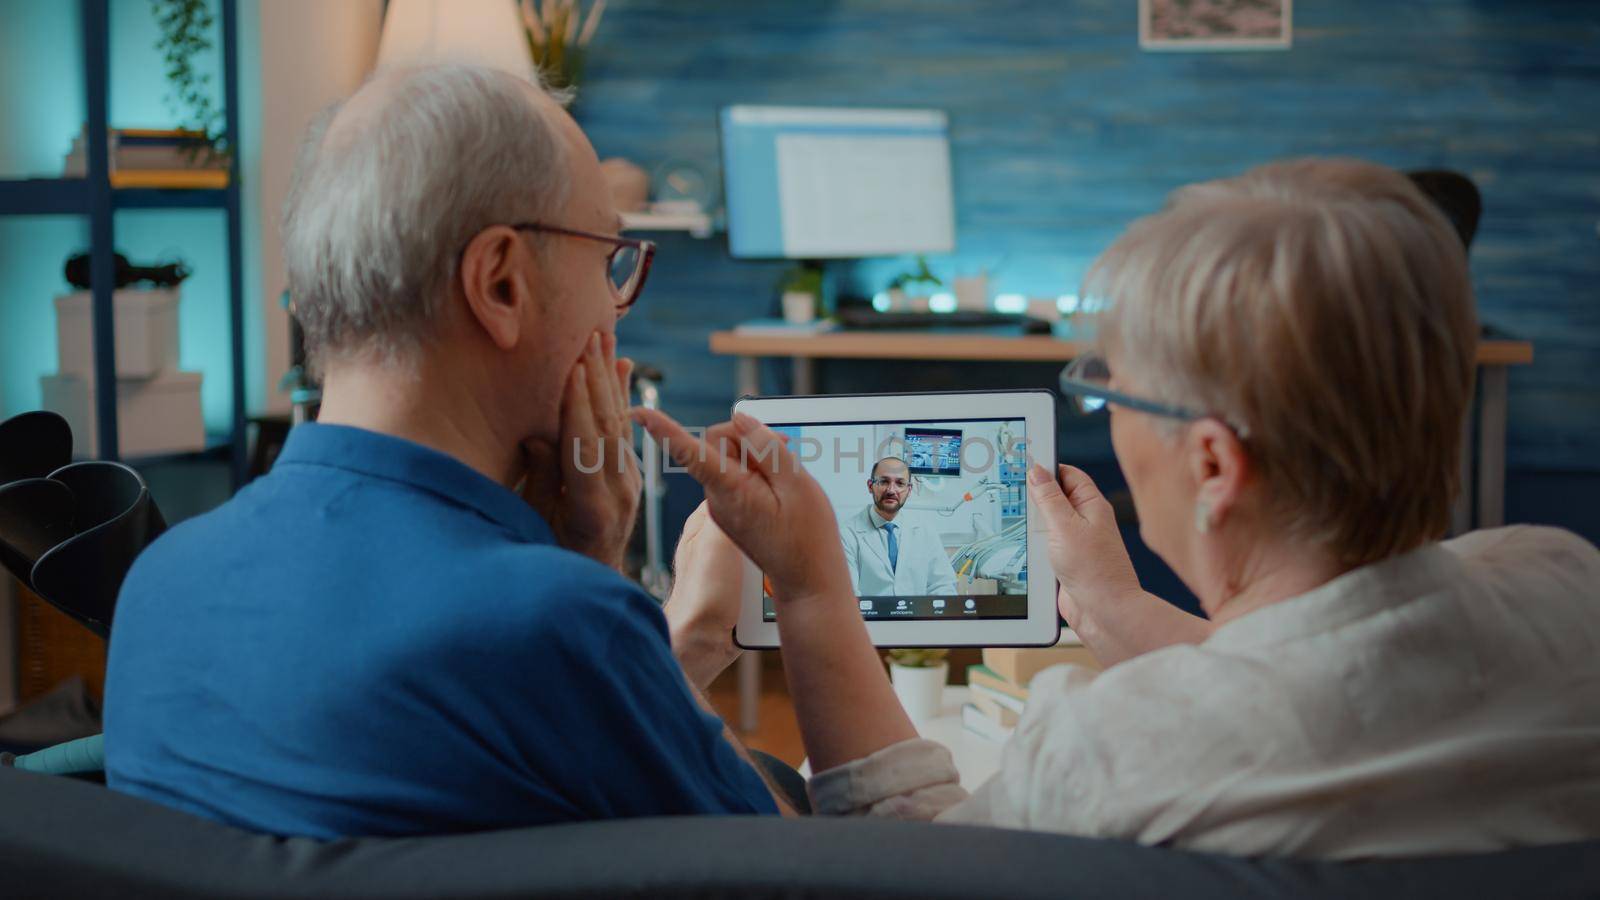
(894,546)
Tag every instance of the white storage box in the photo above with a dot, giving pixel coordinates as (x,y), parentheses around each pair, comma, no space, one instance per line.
(146,330)
(154,415)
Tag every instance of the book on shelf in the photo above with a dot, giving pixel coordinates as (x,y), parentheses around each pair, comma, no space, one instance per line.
(1002,714)
(1000,684)
(145,149)
(981,676)
(974,720)
(1018,665)
(998,698)
(170,178)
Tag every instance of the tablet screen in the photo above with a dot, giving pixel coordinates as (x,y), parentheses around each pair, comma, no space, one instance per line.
(933,514)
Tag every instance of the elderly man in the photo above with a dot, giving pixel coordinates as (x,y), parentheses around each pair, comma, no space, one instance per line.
(381,636)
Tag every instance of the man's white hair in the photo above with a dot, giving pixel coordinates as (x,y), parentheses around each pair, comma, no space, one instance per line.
(381,206)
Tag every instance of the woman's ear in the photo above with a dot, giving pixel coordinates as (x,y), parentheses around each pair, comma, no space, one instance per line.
(1220,467)
(496,278)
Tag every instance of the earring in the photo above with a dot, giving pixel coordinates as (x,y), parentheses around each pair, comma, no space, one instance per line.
(1202,517)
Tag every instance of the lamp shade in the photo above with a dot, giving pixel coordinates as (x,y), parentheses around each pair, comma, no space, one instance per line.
(482,32)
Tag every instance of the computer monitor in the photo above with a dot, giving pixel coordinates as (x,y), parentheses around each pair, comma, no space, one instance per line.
(818,183)
(933,451)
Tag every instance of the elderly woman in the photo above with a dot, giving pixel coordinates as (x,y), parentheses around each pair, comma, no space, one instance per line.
(1287,358)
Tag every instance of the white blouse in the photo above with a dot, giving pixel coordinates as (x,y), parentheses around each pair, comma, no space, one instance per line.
(1443,701)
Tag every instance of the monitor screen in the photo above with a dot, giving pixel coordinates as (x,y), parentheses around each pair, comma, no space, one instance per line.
(933,451)
(959,543)
(818,183)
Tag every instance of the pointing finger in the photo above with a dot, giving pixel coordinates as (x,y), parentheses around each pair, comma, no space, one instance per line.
(697,457)
(761,448)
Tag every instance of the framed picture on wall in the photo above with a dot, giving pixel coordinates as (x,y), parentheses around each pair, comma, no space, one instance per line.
(1214,24)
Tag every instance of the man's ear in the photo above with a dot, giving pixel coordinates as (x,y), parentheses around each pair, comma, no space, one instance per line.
(1219,464)
(495,283)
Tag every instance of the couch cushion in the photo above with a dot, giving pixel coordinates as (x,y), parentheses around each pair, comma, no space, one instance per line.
(64,838)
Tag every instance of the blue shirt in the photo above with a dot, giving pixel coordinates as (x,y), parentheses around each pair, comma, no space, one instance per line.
(375,639)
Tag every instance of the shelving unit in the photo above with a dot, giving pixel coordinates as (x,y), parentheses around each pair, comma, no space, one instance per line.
(699,225)
(94,197)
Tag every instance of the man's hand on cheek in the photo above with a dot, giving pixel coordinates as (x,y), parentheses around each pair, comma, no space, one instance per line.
(587,487)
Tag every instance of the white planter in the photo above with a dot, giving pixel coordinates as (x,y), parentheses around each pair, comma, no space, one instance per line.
(146,332)
(920,689)
(154,415)
(799,307)
(972,293)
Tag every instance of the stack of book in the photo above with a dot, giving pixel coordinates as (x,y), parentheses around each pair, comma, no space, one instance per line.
(153,158)
(999,687)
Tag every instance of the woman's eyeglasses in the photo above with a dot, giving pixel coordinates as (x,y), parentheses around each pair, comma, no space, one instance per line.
(1086,384)
(629,260)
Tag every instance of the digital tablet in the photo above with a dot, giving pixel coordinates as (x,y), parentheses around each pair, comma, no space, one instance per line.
(930,492)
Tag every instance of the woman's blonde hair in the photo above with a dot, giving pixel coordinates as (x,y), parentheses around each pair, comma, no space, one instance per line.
(1323,308)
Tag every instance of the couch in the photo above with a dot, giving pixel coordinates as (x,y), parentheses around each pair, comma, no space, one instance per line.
(60,837)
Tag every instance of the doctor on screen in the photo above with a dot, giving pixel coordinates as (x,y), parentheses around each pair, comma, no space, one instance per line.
(888,557)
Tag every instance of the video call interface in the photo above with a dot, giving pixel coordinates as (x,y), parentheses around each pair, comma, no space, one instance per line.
(933,515)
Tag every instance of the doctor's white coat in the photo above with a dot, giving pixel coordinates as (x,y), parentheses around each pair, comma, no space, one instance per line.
(923,569)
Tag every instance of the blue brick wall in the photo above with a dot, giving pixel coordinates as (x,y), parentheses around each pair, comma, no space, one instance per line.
(1063,131)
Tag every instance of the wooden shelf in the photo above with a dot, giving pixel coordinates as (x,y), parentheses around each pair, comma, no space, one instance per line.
(698,225)
(170,198)
(44,196)
(216,448)
(976,345)
(97,200)
(932,345)
(70,196)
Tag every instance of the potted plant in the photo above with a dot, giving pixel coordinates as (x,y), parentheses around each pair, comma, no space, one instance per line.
(558,34)
(921,276)
(918,677)
(185,37)
(801,288)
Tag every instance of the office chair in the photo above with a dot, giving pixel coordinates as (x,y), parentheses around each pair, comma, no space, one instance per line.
(1456,196)
(70,531)
(32,445)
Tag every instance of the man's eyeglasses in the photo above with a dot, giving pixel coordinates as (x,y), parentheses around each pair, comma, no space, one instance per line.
(886,482)
(629,260)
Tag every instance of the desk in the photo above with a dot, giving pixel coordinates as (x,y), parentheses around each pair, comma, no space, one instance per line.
(1494,358)
(976,758)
